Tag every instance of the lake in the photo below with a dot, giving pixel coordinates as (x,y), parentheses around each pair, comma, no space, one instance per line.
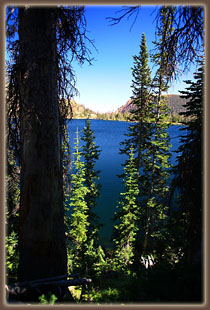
(108,135)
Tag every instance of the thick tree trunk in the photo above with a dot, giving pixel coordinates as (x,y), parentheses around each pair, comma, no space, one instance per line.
(41,226)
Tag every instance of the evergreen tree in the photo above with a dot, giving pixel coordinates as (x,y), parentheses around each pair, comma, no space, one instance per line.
(67,162)
(90,153)
(188,172)
(154,182)
(151,140)
(84,255)
(127,216)
(156,157)
(141,85)
(79,209)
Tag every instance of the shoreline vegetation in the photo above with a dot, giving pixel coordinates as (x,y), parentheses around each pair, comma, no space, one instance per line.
(175,104)
(118,120)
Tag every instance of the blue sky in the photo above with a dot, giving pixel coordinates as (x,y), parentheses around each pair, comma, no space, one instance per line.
(105,85)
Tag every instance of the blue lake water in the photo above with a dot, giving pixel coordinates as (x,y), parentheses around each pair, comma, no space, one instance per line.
(108,135)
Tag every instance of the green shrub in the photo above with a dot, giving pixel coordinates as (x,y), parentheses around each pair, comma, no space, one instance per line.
(47,299)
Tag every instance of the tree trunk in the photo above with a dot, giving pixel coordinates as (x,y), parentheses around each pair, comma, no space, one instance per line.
(41,226)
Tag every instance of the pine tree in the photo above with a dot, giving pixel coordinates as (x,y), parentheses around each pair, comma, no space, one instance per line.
(156,157)
(84,225)
(141,85)
(66,157)
(188,172)
(90,153)
(139,134)
(127,216)
(151,140)
(79,209)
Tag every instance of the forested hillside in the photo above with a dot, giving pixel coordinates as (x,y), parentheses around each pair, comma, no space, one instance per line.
(175,103)
(80,111)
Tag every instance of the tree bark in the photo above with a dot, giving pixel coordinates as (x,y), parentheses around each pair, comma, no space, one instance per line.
(41,226)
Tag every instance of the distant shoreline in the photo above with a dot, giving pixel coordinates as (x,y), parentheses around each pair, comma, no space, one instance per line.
(117,120)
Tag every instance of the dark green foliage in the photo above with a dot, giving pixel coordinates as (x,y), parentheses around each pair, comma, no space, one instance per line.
(161,284)
(189,170)
(78,208)
(78,203)
(12,256)
(94,257)
(49,299)
(90,153)
(141,85)
(156,157)
(151,143)
(127,217)
(66,156)
(83,253)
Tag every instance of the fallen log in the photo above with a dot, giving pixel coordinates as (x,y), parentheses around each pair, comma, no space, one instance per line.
(39,285)
(39,281)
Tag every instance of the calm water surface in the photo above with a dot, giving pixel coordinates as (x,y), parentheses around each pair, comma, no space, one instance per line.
(108,135)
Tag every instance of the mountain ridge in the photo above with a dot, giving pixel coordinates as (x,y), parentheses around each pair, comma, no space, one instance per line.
(175,103)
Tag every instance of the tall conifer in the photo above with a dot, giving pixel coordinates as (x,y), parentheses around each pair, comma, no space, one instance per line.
(189,170)
(141,85)
(150,138)
(67,161)
(78,206)
(127,216)
(85,189)
(90,152)
(156,157)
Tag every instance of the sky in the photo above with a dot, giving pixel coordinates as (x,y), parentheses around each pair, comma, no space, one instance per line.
(106,84)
